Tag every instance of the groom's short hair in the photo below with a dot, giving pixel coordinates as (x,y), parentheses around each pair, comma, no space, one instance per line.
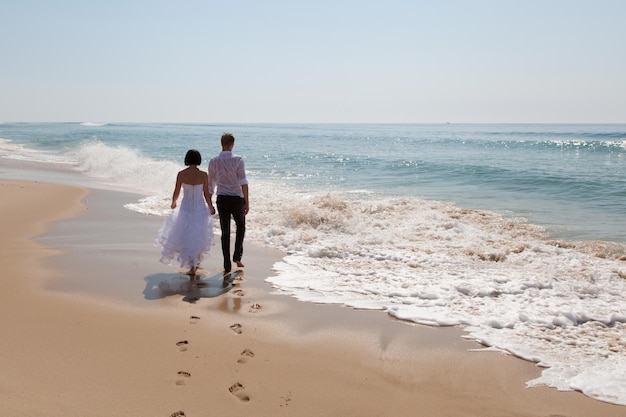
(227,139)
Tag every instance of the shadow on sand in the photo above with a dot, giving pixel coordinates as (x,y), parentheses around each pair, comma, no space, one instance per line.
(191,288)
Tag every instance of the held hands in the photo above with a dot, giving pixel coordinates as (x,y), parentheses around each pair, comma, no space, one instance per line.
(173,206)
(211,209)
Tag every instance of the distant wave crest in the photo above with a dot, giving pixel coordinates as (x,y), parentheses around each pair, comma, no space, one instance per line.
(93,124)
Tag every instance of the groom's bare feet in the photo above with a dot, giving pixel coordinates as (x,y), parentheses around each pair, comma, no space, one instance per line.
(239,264)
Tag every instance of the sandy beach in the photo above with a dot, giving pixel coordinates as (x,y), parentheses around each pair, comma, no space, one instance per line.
(94,325)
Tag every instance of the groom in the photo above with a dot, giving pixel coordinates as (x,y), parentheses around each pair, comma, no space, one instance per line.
(227,179)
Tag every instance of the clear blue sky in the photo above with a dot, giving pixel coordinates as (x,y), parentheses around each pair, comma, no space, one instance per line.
(316,61)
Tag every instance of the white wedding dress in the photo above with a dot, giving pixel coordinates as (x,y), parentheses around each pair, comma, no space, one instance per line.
(187,234)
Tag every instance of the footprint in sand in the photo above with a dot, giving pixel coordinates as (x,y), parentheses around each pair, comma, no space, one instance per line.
(236,389)
(178,414)
(255,307)
(247,353)
(183,374)
(286,399)
(236,328)
(193,319)
(182,345)
(238,292)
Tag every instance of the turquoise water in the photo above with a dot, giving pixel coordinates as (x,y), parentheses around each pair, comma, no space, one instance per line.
(569,178)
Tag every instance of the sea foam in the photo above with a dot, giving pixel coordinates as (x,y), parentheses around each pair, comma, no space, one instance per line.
(19,152)
(126,168)
(501,279)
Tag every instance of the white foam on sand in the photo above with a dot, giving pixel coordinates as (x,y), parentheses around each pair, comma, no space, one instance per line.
(510,287)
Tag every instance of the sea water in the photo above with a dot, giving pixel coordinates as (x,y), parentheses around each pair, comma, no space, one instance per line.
(513,232)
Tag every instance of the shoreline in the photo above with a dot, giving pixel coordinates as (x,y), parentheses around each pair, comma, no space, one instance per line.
(241,351)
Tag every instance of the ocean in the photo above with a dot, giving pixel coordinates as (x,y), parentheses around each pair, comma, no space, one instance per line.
(513,232)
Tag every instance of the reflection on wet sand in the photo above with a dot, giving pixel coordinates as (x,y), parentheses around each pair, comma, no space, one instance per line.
(192,288)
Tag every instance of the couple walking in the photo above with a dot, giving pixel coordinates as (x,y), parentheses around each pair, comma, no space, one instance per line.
(187,233)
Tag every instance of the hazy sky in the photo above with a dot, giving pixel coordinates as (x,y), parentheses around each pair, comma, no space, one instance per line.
(313,61)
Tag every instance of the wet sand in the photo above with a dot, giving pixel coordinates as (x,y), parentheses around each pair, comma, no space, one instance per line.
(94,325)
